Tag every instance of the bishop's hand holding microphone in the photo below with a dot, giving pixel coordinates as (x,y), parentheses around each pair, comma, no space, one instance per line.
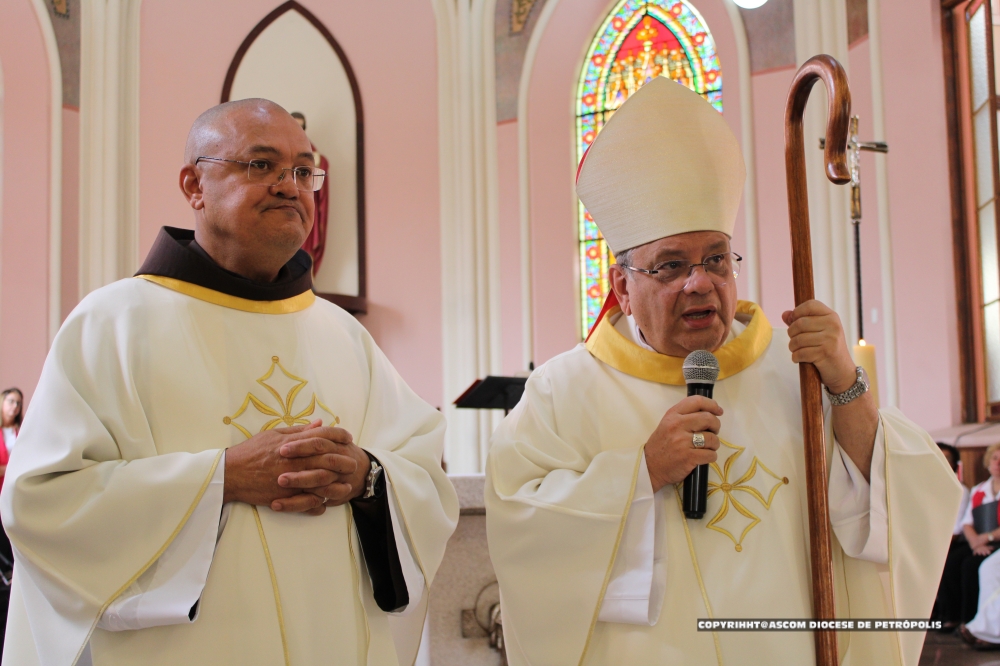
(687,438)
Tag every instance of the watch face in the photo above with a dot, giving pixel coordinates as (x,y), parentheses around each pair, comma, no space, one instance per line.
(863,377)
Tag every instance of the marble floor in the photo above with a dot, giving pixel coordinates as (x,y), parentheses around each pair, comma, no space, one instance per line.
(949,650)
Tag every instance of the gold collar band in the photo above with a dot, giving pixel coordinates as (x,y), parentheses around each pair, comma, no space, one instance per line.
(286,306)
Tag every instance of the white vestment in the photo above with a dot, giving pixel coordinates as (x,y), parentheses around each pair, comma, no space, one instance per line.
(112,498)
(564,503)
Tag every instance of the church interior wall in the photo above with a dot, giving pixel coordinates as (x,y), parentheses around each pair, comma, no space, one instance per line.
(392,51)
(24,235)
(769,89)
(70,275)
(861,101)
(510,245)
(919,201)
(402,172)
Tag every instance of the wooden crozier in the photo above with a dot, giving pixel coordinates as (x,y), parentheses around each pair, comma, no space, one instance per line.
(827,69)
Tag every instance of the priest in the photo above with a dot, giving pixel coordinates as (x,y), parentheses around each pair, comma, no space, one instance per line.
(596,561)
(217,467)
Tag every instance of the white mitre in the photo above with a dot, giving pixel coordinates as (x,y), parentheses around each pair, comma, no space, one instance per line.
(666,163)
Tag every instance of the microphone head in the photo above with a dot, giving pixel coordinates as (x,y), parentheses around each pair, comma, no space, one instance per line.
(701,367)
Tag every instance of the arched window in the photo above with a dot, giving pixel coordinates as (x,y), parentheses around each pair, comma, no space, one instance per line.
(638,41)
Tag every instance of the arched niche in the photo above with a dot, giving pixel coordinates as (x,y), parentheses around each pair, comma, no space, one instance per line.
(323,88)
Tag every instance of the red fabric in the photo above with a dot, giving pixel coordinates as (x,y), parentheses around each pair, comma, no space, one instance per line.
(4,457)
(316,240)
(977,500)
(610,302)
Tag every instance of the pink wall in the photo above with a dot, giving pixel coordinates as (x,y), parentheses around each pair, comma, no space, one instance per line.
(510,246)
(70,209)
(183,65)
(553,161)
(25,224)
(919,201)
(859,70)
(769,92)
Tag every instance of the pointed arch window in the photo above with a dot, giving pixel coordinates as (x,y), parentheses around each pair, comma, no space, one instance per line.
(638,41)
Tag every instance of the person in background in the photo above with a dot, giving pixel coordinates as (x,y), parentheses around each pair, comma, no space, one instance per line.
(11,408)
(11,411)
(949,598)
(981,546)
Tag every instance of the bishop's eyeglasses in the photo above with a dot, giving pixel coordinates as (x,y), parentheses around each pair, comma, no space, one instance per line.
(268,174)
(719,268)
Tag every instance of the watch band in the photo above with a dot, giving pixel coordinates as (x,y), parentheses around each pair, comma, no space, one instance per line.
(859,388)
(373,476)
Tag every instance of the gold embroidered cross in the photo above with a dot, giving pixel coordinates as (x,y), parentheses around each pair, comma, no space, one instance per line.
(284,415)
(744,484)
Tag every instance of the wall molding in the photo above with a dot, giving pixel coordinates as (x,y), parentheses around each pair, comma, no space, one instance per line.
(890,383)
(470,233)
(524,185)
(750,222)
(54,309)
(821,27)
(109,142)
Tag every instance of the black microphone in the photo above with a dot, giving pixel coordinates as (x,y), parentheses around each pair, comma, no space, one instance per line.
(701,369)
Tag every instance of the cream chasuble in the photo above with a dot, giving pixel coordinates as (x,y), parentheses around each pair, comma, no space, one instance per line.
(562,474)
(147,383)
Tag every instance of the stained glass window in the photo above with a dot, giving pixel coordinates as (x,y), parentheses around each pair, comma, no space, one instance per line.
(639,40)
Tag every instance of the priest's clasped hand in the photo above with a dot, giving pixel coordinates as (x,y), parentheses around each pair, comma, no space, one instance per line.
(670,451)
(302,469)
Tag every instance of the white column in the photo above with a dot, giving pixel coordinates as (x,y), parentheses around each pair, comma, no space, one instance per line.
(470,263)
(524,182)
(752,270)
(821,27)
(109,142)
(889,383)
(55,168)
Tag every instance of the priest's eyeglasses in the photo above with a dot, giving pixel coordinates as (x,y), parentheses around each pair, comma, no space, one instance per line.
(268,174)
(718,267)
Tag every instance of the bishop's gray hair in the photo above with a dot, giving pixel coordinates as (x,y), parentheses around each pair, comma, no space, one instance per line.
(624,258)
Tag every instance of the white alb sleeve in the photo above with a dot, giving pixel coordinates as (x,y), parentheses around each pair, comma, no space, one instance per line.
(859,509)
(167,592)
(638,579)
(411,572)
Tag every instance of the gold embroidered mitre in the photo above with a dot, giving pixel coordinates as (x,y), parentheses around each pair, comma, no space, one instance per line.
(665,164)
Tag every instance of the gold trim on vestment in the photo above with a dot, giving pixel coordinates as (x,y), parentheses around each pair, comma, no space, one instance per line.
(283,416)
(611,347)
(274,585)
(697,574)
(285,306)
(728,488)
(888,511)
(170,540)
(614,553)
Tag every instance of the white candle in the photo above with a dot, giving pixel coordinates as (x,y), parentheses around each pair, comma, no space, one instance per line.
(864,355)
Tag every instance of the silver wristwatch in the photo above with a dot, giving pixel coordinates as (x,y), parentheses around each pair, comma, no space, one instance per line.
(856,391)
(373,476)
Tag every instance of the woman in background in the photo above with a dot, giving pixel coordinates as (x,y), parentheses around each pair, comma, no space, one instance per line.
(11,410)
(981,545)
